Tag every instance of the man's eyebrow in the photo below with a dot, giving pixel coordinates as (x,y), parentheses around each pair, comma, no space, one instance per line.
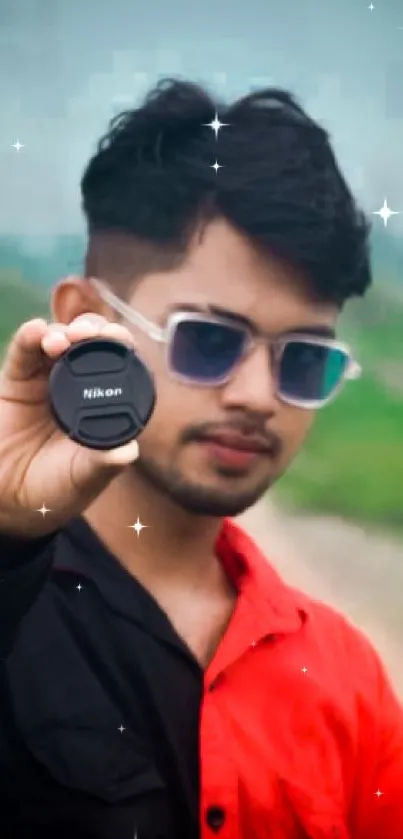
(318,330)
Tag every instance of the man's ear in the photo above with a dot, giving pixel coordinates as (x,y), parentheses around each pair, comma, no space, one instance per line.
(75,296)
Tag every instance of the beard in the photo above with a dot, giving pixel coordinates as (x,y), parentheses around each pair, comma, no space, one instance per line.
(198,499)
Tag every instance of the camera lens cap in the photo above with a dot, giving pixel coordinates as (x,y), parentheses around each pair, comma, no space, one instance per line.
(101,393)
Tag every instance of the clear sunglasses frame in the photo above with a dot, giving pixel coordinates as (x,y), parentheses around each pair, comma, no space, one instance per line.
(276,346)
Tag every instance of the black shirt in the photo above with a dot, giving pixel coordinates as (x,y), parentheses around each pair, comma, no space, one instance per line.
(100,699)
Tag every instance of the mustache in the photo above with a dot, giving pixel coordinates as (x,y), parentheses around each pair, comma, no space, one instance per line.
(247,428)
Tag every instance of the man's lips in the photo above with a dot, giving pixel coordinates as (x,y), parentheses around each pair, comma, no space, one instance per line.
(238,442)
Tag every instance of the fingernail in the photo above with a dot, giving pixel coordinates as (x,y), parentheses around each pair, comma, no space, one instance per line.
(54,334)
(86,323)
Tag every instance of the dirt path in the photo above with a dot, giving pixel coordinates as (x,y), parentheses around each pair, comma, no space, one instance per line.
(358,572)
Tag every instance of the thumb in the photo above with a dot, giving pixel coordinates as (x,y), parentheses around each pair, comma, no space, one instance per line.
(92,471)
(122,456)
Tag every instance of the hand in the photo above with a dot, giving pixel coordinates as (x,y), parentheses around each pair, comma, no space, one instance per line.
(39,464)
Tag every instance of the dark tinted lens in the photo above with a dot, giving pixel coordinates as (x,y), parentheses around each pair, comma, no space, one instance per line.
(204,351)
(311,372)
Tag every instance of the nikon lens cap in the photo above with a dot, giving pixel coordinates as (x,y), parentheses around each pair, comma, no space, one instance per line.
(101,394)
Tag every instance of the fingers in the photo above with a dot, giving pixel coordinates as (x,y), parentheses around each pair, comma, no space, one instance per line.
(118,333)
(23,358)
(35,341)
(117,458)
(60,336)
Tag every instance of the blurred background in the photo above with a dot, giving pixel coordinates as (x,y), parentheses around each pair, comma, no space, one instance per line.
(334,524)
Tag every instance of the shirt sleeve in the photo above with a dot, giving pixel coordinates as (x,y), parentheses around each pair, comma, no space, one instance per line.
(381,801)
(24,569)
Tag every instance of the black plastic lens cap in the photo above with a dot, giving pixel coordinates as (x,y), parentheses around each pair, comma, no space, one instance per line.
(101,393)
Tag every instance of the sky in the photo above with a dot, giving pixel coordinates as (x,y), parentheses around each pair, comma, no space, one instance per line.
(67,66)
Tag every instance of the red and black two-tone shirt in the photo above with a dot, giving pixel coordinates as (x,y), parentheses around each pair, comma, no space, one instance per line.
(109,728)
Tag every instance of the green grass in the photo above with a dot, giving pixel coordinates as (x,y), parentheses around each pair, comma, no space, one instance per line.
(18,302)
(352,464)
(382,341)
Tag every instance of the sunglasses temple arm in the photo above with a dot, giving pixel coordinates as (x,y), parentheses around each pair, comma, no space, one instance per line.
(127,312)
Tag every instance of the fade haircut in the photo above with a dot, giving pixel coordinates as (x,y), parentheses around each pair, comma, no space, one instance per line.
(151,187)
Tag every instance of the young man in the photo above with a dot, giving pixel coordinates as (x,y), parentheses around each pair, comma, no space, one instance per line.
(168,683)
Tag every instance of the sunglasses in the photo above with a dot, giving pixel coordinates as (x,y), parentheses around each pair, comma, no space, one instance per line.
(205,350)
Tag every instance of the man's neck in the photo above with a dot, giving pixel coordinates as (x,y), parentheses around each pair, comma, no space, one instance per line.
(173,544)
(174,558)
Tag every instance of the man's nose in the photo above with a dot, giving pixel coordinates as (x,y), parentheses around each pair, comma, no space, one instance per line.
(253,384)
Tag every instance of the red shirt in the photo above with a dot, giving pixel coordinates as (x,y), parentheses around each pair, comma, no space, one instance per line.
(301,734)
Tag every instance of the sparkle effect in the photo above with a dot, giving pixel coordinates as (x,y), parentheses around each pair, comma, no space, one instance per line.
(378,793)
(138,526)
(17,146)
(371,7)
(215,125)
(79,587)
(385,212)
(43,510)
(121,728)
(304,670)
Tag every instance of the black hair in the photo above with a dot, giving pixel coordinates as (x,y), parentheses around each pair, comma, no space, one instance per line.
(152,178)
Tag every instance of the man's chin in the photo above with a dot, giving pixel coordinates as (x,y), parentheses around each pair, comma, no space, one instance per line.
(201,500)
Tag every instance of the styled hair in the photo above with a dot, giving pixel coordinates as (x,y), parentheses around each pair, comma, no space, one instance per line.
(152,180)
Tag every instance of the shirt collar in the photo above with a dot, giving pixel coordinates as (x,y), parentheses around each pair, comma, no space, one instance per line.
(258,581)
(266,606)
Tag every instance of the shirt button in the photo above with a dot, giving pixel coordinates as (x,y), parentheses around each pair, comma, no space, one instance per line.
(215,818)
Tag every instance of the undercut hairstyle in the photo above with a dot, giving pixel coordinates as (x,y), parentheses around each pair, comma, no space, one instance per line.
(151,187)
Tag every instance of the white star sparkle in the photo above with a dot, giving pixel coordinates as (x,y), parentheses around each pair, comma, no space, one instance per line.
(138,526)
(17,146)
(304,670)
(216,125)
(371,7)
(216,166)
(79,587)
(378,793)
(121,728)
(43,510)
(385,212)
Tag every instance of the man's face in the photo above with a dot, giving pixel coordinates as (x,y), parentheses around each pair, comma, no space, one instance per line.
(223,270)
